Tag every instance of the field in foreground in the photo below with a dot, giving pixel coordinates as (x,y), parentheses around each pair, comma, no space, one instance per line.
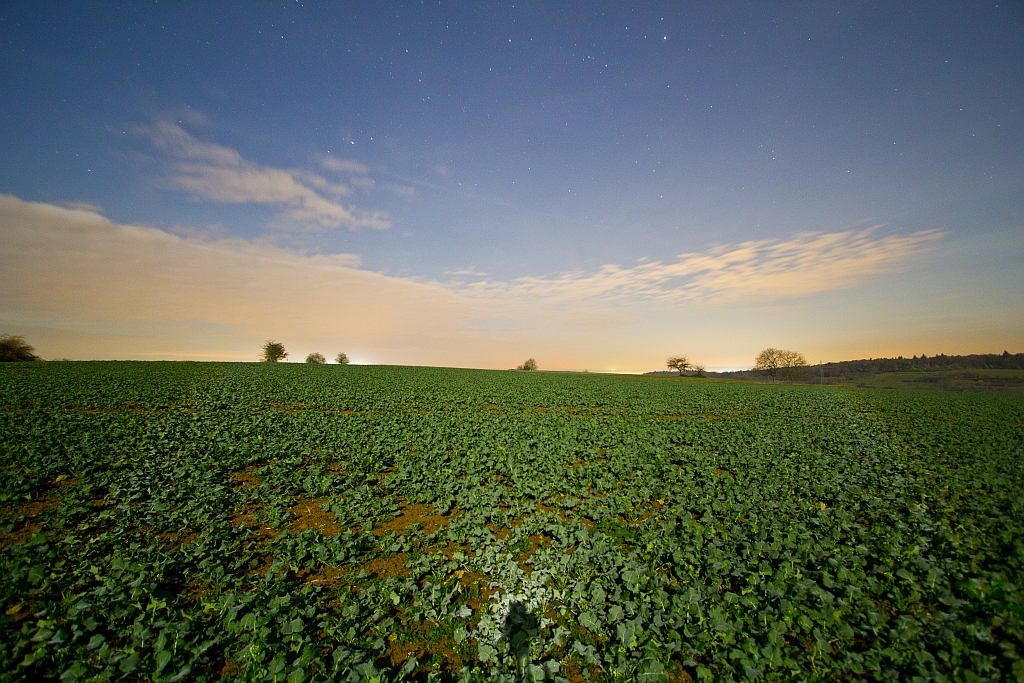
(182,521)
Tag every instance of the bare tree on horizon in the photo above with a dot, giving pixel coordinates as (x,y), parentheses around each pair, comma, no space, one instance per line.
(680,363)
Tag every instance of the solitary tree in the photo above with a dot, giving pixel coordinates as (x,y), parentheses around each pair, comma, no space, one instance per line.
(530,364)
(791,362)
(679,363)
(771,361)
(699,370)
(14,348)
(273,352)
(341,359)
(316,358)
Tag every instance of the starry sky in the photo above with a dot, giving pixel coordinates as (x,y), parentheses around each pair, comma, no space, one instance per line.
(595,185)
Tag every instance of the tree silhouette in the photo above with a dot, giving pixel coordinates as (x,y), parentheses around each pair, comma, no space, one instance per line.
(273,352)
(14,348)
(679,363)
(771,361)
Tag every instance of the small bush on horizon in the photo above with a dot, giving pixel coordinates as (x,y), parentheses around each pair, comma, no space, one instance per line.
(316,358)
(341,359)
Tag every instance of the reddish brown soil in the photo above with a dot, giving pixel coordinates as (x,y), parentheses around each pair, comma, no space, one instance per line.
(412,514)
(477,588)
(503,532)
(248,517)
(398,654)
(244,479)
(231,668)
(309,515)
(177,539)
(536,542)
(574,672)
(384,567)
(452,547)
(31,509)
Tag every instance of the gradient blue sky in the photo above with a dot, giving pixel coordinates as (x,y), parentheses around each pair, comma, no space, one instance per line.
(594,185)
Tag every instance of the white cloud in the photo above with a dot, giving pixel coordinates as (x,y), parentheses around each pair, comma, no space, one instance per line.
(749,272)
(211,171)
(321,183)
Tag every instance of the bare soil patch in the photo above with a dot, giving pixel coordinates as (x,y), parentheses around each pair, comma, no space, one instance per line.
(309,515)
(477,588)
(424,650)
(536,541)
(177,539)
(244,479)
(452,548)
(414,513)
(248,517)
(385,567)
(31,510)
(501,533)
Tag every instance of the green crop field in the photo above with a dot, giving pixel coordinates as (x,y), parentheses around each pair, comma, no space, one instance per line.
(261,522)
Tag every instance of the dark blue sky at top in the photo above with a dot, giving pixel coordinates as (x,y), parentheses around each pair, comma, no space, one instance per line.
(538,137)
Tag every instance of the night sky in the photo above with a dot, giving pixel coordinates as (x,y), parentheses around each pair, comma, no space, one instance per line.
(471,184)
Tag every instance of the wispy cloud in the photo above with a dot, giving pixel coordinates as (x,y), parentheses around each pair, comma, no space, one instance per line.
(471,272)
(755,271)
(210,171)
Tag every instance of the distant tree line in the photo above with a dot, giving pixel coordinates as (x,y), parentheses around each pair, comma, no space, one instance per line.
(923,363)
(850,369)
